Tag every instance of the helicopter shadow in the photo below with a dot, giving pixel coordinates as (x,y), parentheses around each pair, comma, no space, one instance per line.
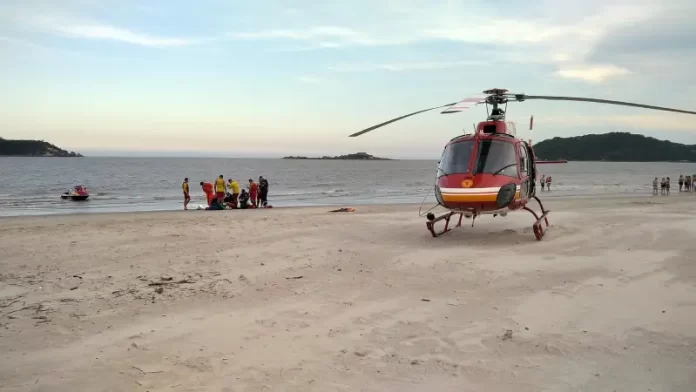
(486,232)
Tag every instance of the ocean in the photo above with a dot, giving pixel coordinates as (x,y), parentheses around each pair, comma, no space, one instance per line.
(32,186)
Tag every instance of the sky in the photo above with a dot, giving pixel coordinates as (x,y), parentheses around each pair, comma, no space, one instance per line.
(270,78)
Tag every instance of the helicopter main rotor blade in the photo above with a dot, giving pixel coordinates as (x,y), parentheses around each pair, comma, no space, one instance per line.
(397,119)
(522,97)
(463,105)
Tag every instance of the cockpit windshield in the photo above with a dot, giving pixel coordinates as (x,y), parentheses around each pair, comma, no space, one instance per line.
(496,157)
(455,158)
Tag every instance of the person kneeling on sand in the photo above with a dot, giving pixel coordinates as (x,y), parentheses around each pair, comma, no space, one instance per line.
(216,205)
(244,199)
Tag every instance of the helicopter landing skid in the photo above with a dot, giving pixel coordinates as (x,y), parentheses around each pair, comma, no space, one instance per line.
(538,227)
(430,224)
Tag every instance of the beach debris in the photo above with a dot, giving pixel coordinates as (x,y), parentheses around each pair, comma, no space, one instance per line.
(12,301)
(507,335)
(242,278)
(295,277)
(159,290)
(425,300)
(148,372)
(344,209)
(182,281)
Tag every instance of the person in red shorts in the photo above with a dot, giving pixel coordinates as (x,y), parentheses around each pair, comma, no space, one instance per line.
(220,188)
(253,192)
(208,190)
(187,196)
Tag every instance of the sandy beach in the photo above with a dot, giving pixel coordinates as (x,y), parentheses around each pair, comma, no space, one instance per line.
(305,300)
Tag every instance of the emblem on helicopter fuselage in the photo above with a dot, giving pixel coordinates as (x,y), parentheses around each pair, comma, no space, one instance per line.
(467,183)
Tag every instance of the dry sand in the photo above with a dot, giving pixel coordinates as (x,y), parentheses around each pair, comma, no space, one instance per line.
(305,300)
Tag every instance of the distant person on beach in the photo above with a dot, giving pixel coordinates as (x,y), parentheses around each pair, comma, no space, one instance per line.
(253,191)
(208,190)
(655,186)
(687,184)
(681,182)
(667,185)
(187,196)
(543,181)
(220,188)
(548,183)
(662,186)
(263,191)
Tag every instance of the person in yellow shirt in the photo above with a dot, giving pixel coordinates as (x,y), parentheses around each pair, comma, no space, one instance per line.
(187,196)
(233,186)
(220,189)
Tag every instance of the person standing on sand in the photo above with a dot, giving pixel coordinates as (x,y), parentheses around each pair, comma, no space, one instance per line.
(187,196)
(253,192)
(263,191)
(233,186)
(548,183)
(220,189)
(655,186)
(543,181)
(681,182)
(208,190)
(667,185)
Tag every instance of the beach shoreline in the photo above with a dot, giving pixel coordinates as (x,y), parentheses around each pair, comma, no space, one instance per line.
(300,298)
(359,204)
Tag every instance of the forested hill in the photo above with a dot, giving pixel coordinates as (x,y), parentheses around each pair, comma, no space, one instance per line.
(614,146)
(32,148)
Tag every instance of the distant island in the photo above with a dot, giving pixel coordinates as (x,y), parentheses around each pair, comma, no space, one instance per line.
(357,156)
(32,148)
(614,147)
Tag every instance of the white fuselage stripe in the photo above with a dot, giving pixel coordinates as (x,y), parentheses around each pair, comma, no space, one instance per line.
(470,190)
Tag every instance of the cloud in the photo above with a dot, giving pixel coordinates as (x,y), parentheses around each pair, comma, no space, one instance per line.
(67,22)
(662,47)
(106,32)
(321,36)
(592,73)
(398,67)
(549,33)
(638,121)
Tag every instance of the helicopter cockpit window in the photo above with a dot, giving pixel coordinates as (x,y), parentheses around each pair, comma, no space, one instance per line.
(455,158)
(497,157)
(524,161)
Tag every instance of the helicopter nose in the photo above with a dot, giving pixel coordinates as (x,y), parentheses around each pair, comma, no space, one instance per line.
(438,194)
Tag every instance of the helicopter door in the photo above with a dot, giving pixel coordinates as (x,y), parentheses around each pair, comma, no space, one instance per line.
(524,171)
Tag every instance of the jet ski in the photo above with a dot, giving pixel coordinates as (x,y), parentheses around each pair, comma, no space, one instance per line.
(78,193)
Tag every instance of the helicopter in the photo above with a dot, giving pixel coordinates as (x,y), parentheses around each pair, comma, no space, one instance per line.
(491,171)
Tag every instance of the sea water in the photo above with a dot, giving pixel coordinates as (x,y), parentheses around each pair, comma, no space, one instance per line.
(32,186)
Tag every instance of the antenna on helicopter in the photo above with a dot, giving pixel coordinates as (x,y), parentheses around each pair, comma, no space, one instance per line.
(531,125)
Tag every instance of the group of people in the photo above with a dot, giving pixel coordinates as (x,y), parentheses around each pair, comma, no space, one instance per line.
(545,181)
(223,195)
(686,184)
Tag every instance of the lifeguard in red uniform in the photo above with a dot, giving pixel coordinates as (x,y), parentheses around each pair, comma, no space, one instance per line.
(253,192)
(208,190)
